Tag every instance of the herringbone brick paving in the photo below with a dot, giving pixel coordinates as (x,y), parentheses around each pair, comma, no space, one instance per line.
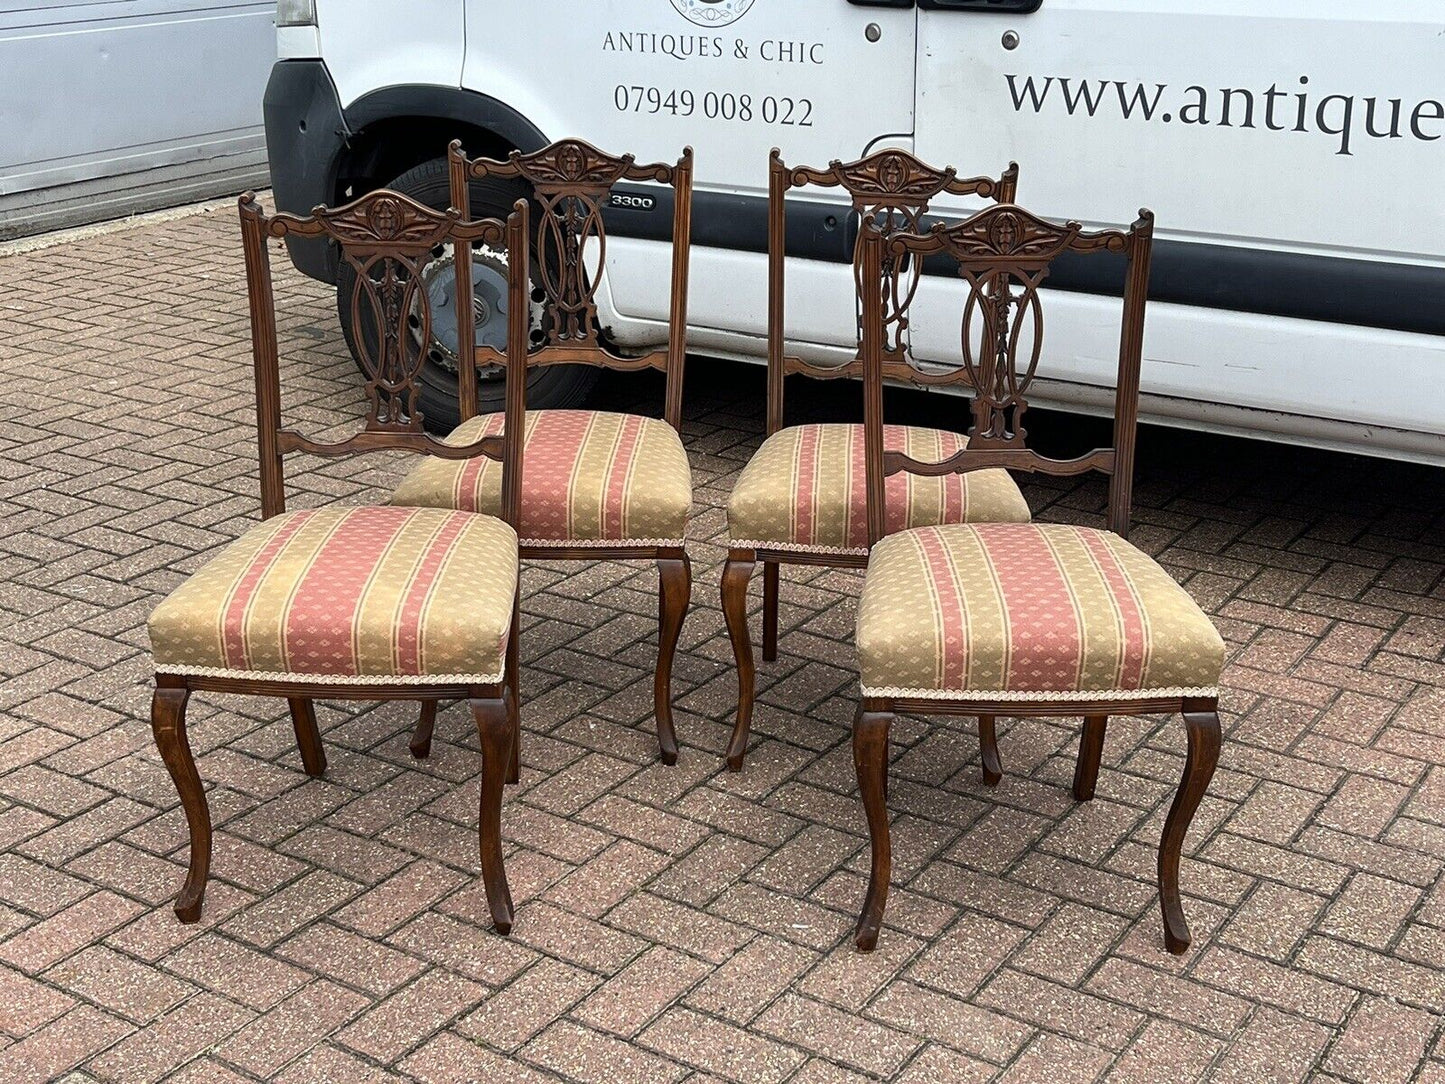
(681,923)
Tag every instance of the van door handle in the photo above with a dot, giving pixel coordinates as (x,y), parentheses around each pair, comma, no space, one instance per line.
(1018,7)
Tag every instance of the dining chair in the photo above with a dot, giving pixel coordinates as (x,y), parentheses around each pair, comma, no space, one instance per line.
(800,499)
(1024,619)
(597,484)
(358,603)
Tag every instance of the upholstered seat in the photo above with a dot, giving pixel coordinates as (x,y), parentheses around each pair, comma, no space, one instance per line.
(1029,612)
(804,490)
(588,478)
(365,595)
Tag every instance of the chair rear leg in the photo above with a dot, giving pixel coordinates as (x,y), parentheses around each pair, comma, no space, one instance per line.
(168,724)
(674,582)
(870,759)
(988,751)
(770,611)
(736,574)
(421,737)
(308,736)
(514,688)
(1203,730)
(1091,751)
(494,728)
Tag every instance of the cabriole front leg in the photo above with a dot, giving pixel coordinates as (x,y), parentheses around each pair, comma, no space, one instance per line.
(870,760)
(1203,730)
(168,724)
(736,574)
(494,728)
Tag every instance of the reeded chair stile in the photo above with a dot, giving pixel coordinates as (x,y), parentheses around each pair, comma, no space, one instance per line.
(800,499)
(599,484)
(1022,619)
(357,603)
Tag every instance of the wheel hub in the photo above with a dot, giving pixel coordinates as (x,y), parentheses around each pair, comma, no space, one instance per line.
(489,308)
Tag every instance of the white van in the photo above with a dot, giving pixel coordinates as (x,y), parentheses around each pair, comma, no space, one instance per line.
(1294,153)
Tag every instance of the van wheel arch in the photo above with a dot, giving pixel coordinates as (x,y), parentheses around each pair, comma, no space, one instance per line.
(387,149)
(395,129)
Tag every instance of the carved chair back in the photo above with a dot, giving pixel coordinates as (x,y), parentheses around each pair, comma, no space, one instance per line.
(1003,255)
(388,239)
(572,182)
(891,190)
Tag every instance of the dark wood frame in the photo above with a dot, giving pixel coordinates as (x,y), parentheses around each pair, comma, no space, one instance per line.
(571,181)
(893,190)
(388,238)
(998,250)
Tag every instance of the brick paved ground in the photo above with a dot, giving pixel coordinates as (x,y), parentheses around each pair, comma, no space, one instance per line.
(682,923)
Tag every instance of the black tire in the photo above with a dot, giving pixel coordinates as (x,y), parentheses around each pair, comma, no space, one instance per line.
(554,387)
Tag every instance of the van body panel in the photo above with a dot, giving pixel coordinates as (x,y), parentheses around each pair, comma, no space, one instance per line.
(1300,272)
(815,85)
(1170,105)
(370,44)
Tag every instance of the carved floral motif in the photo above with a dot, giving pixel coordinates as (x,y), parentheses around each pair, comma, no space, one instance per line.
(1004,254)
(886,176)
(571,181)
(573,163)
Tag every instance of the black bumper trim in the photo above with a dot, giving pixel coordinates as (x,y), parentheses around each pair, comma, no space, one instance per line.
(1331,289)
(306,134)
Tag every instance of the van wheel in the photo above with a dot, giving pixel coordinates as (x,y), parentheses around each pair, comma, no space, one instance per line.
(553,387)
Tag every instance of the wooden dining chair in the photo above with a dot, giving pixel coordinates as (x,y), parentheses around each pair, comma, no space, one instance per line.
(597,484)
(358,603)
(1024,619)
(800,498)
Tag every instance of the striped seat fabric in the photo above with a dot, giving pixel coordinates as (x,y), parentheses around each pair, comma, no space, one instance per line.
(804,490)
(1012,611)
(588,478)
(364,595)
